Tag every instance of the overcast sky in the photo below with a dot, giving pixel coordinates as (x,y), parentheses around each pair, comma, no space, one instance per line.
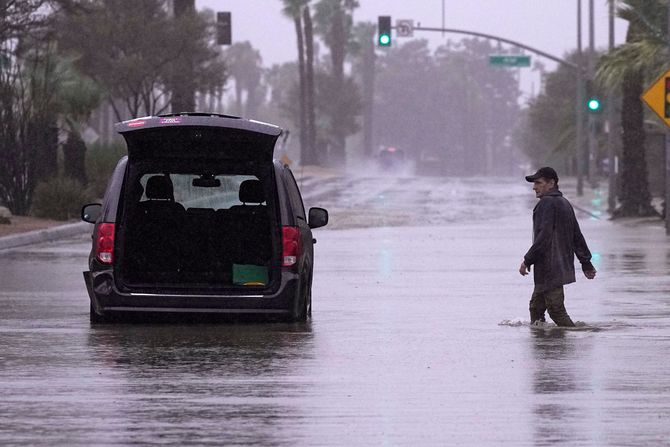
(548,25)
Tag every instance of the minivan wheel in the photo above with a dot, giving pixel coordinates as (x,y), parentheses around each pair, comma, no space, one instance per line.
(94,317)
(303,307)
(308,297)
(309,303)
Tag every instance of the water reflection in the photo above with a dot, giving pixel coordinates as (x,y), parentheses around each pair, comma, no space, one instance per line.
(633,261)
(557,375)
(233,382)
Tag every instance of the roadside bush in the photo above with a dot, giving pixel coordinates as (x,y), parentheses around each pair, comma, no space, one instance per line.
(101,160)
(60,198)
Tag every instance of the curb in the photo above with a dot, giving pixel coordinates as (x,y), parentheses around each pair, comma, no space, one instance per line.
(46,235)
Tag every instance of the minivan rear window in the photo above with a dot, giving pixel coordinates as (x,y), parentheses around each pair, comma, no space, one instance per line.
(188,195)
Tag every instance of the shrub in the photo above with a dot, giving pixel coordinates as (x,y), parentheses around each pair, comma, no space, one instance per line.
(101,160)
(60,198)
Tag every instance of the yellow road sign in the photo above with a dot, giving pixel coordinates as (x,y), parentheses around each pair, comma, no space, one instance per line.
(657,97)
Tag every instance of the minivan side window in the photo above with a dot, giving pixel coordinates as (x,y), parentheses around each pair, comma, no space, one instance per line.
(294,194)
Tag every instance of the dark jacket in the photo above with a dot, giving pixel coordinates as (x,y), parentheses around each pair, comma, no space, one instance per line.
(556,240)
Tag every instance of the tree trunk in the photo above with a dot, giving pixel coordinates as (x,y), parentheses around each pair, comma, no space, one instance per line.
(310,140)
(368,83)
(43,140)
(238,97)
(183,88)
(303,89)
(635,196)
(337,53)
(74,158)
(253,101)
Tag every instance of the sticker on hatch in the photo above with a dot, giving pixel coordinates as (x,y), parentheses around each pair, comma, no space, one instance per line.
(175,120)
(136,123)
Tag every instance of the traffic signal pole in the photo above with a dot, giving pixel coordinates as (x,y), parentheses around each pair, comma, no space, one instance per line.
(578,67)
(591,157)
(500,39)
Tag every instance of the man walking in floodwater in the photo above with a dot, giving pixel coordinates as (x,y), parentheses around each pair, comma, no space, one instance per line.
(556,240)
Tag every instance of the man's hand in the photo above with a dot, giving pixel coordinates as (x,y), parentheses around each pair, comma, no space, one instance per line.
(523,269)
(590,274)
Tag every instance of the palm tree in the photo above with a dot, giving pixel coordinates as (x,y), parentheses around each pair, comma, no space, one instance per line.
(364,66)
(644,53)
(335,22)
(294,10)
(310,88)
(244,65)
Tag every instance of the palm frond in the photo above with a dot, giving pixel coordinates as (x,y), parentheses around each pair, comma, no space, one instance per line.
(565,137)
(293,8)
(648,56)
(648,16)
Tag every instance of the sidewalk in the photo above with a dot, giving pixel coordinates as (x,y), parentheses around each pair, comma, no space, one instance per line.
(594,204)
(53,232)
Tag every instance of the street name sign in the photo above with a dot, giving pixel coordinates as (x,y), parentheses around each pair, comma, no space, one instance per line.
(657,97)
(509,60)
(404,28)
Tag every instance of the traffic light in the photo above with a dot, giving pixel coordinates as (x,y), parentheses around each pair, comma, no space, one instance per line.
(224,32)
(593,101)
(384,31)
(594,104)
(667,97)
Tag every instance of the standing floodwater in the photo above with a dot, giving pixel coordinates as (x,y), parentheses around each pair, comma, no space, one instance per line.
(405,345)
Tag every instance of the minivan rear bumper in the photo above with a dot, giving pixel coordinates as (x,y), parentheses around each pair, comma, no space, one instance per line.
(107,299)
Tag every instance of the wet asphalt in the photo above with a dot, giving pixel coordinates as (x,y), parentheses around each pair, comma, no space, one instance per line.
(419,336)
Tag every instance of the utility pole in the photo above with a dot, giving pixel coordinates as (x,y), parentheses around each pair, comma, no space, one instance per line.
(611,137)
(592,153)
(580,105)
(442,17)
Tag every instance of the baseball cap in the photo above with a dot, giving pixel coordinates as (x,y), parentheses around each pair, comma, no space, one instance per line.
(546,172)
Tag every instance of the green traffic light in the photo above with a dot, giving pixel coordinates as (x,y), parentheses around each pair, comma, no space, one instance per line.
(593,104)
(384,31)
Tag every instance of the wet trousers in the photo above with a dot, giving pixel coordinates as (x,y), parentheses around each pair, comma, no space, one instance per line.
(552,301)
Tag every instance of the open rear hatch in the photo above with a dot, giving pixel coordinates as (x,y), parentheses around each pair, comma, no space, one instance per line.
(199,136)
(200,205)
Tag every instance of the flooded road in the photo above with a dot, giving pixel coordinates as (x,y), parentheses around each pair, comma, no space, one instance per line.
(419,336)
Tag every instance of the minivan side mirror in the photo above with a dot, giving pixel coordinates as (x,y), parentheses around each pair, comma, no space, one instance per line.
(91,212)
(318,217)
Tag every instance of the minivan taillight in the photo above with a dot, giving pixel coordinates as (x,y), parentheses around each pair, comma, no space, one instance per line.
(291,246)
(104,244)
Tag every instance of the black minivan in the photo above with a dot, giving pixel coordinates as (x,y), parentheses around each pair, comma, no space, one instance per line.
(199,219)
